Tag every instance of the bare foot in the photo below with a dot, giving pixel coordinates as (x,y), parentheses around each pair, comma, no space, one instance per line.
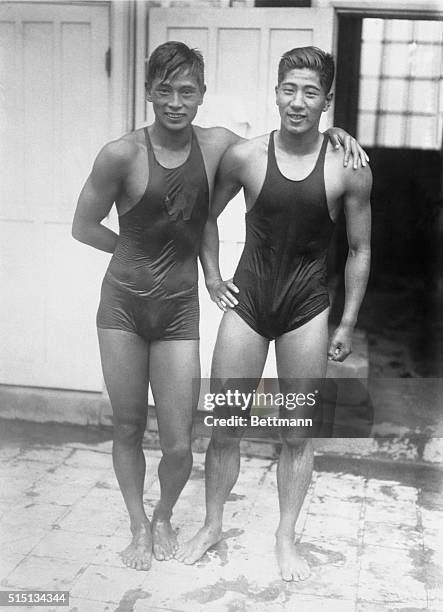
(292,566)
(195,548)
(164,540)
(139,552)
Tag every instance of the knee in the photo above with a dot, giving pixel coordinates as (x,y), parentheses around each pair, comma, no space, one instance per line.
(129,434)
(178,452)
(225,439)
(295,441)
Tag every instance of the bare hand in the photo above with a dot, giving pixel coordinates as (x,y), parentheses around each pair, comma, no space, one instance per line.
(222,293)
(341,344)
(340,137)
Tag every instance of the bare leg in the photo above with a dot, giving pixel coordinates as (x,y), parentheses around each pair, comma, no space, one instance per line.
(239,353)
(175,381)
(125,368)
(301,354)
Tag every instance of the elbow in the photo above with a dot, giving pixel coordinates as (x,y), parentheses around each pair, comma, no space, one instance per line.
(78,231)
(75,232)
(360,251)
(212,219)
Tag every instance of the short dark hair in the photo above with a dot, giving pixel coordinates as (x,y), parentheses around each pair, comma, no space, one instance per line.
(312,58)
(171,57)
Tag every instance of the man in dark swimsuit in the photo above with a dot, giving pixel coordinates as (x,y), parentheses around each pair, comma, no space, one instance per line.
(293,184)
(160,178)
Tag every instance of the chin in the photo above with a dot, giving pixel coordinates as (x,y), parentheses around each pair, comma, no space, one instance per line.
(176,127)
(293,129)
(299,129)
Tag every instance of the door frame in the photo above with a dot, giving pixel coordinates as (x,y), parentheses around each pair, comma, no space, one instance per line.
(388,9)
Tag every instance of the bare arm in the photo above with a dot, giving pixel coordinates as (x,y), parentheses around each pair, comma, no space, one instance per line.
(98,195)
(227,185)
(358,226)
(340,137)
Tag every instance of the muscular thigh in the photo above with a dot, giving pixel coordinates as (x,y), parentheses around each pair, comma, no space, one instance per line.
(124,357)
(175,381)
(237,365)
(302,353)
(239,351)
(301,365)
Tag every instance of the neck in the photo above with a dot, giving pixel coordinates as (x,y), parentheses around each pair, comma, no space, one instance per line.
(172,140)
(301,144)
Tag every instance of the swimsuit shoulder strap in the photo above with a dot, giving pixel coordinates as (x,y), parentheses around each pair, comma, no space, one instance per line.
(319,164)
(151,156)
(272,162)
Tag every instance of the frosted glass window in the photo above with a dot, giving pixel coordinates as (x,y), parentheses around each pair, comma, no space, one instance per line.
(422,132)
(398,30)
(394,95)
(372,29)
(401,88)
(366,128)
(369,94)
(428,31)
(425,60)
(391,130)
(396,60)
(424,96)
(371,59)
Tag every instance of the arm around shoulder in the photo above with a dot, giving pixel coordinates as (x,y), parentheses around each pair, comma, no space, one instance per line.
(228,180)
(222,136)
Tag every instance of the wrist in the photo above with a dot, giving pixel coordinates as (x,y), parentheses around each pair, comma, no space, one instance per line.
(213,280)
(347,325)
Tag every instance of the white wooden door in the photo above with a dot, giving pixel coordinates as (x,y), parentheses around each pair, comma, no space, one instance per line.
(54,117)
(241,48)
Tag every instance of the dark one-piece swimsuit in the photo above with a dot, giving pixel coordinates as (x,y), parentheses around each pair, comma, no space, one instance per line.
(281,274)
(151,285)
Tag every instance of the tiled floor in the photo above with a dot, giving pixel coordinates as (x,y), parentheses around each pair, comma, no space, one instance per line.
(373,544)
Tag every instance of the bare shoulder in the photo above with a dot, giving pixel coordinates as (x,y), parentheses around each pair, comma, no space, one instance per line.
(115,159)
(122,149)
(249,149)
(359,180)
(355,180)
(216,137)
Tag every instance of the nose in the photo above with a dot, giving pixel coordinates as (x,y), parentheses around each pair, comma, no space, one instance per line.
(297,99)
(175,100)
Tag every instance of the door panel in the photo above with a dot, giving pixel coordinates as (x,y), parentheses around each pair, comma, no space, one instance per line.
(54,115)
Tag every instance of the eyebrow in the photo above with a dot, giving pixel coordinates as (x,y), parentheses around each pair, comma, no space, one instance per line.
(306,86)
(184,86)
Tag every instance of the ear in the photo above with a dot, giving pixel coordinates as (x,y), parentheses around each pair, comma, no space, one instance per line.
(202,94)
(276,92)
(328,101)
(148,93)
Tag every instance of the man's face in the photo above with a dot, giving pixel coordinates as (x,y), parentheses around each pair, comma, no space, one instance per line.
(175,100)
(301,100)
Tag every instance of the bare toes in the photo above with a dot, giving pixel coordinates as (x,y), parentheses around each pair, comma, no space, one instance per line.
(287,576)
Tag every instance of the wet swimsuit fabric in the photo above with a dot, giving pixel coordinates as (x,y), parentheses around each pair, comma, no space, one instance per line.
(151,285)
(281,274)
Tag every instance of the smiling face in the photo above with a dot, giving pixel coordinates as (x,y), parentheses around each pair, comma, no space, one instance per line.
(175,100)
(301,99)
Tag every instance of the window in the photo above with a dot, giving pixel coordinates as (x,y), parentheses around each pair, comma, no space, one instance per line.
(401,92)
